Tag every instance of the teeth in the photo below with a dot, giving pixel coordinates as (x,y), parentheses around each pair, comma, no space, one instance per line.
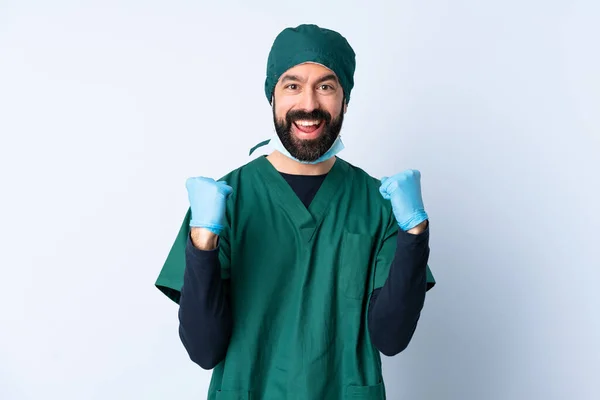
(308,123)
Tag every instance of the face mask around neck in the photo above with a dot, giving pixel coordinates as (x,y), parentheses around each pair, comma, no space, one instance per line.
(335,148)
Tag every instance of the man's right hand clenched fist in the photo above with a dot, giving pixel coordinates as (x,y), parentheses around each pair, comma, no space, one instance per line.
(207,202)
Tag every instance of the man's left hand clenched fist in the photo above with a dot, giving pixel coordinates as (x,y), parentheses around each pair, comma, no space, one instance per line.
(403,190)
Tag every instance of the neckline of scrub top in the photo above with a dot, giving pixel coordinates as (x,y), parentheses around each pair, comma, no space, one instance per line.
(306,219)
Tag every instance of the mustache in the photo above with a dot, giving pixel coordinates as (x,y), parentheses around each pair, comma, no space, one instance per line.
(296,115)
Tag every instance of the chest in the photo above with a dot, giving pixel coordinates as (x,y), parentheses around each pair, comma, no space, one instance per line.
(284,250)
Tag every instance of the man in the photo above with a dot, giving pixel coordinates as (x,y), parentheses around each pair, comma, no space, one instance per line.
(293,272)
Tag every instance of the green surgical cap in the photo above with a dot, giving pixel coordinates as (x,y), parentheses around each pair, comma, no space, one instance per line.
(310,43)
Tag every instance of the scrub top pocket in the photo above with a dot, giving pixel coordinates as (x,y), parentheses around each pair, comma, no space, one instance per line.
(355,262)
(376,392)
(234,395)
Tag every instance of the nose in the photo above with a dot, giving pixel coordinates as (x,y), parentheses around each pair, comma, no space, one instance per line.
(308,101)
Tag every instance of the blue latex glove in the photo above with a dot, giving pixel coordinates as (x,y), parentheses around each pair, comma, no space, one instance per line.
(207,202)
(404,192)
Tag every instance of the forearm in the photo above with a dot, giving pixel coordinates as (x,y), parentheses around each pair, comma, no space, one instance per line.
(205,319)
(394,310)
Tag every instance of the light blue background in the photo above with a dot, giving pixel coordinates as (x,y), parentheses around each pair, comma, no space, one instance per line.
(106,107)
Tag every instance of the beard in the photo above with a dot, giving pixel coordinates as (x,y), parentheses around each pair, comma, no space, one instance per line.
(308,150)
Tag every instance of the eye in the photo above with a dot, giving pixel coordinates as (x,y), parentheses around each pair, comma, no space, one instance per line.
(326,87)
(292,86)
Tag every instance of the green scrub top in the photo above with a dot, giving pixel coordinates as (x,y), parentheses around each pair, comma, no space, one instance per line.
(300,280)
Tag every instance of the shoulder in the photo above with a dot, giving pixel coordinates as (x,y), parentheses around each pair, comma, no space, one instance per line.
(233,177)
(365,193)
(367,185)
(362,177)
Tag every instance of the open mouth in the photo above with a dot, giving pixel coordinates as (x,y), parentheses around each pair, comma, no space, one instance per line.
(308,126)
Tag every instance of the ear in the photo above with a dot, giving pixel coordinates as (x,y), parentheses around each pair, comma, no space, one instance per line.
(345,107)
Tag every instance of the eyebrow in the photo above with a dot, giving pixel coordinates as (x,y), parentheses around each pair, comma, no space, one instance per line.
(296,78)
